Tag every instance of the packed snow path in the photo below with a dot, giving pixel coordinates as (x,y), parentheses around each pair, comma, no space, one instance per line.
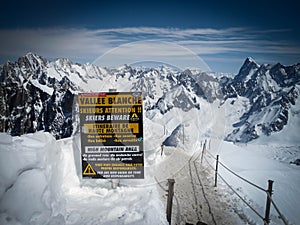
(195,198)
(197,183)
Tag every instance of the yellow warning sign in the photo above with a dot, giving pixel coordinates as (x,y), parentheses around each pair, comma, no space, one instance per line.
(106,128)
(134,115)
(89,170)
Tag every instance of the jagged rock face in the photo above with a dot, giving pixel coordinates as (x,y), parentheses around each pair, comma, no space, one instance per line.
(202,84)
(175,137)
(271,91)
(36,94)
(33,101)
(164,89)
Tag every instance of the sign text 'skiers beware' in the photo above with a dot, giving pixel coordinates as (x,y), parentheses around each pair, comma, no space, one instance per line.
(111,135)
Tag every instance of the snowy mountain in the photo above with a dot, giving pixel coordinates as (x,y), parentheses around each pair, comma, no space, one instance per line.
(36,94)
(271,91)
(180,122)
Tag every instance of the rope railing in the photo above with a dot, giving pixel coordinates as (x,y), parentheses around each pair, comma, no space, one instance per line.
(269,192)
(159,183)
(211,166)
(231,188)
(281,216)
(242,178)
(234,173)
(234,191)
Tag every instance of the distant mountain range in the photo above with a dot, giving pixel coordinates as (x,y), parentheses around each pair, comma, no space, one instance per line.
(36,94)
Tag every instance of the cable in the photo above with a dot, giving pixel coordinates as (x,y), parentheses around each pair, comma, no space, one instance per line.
(211,166)
(159,183)
(257,213)
(211,155)
(249,182)
(281,216)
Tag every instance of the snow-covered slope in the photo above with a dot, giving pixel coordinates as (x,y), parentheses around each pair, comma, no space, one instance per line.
(30,180)
(271,93)
(48,171)
(39,185)
(259,162)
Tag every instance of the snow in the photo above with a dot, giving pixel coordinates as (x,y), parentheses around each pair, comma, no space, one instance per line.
(44,88)
(40,181)
(47,171)
(40,185)
(29,186)
(289,135)
(259,163)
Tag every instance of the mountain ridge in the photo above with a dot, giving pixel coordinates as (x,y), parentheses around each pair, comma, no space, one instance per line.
(37,94)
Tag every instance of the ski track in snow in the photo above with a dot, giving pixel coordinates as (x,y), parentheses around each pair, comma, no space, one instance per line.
(195,198)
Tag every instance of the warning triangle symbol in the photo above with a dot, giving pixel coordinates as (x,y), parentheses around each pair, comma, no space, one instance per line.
(134,115)
(89,170)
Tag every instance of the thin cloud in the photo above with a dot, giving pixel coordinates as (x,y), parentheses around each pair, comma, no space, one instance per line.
(86,45)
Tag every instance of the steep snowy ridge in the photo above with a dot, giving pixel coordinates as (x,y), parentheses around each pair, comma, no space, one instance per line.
(247,70)
(38,94)
(271,93)
(183,109)
(33,100)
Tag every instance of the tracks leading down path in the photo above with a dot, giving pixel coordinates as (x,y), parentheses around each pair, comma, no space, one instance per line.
(195,198)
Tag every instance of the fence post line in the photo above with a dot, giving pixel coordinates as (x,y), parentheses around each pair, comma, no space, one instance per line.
(183,134)
(171,183)
(114,182)
(216,171)
(268,202)
(203,150)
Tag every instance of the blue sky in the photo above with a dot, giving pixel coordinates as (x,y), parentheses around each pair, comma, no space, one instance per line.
(222,33)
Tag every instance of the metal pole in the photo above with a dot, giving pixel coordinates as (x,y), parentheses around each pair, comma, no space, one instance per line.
(171,183)
(183,134)
(203,150)
(216,171)
(268,202)
(114,182)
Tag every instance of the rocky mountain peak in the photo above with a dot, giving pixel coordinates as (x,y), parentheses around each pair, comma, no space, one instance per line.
(32,61)
(38,95)
(248,68)
(268,89)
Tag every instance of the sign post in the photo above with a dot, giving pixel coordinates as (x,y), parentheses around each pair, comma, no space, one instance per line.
(111,135)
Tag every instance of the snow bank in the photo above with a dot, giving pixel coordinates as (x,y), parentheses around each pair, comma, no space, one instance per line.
(94,202)
(40,184)
(29,180)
